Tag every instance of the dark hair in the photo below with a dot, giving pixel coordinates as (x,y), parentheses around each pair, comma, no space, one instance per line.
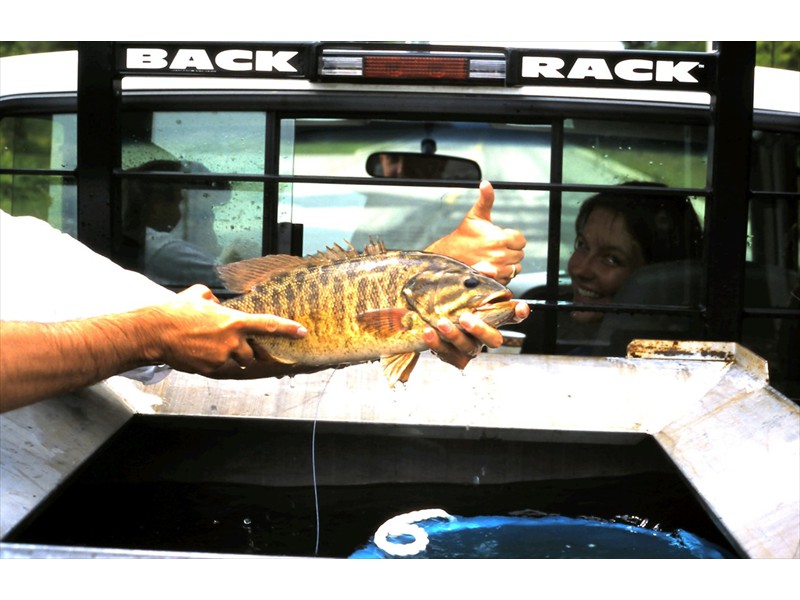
(143,197)
(178,166)
(665,226)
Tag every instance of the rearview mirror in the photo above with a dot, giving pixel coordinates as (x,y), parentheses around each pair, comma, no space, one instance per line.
(422,166)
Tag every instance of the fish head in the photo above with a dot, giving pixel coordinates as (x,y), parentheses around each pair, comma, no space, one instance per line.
(456,289)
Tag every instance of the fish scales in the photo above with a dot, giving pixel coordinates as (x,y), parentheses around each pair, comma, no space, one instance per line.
(366,306)
(327,299)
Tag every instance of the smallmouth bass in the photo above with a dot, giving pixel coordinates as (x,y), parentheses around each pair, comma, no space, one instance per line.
(362,306)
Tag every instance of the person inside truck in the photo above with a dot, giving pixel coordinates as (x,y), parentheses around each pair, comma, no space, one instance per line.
(168,227)
(70,318)
(616,234)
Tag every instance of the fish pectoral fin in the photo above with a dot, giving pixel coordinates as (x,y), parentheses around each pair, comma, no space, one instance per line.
(399,367)
(263,353)
(383,321)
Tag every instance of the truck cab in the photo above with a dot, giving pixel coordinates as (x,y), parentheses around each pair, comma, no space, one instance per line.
(173,158)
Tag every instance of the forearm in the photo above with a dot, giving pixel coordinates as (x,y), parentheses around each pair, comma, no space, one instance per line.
(39,360)
(191,332)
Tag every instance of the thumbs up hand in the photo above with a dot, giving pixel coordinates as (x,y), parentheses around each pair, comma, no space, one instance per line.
(492,250)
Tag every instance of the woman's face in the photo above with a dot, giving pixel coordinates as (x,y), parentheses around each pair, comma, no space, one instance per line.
(605,255)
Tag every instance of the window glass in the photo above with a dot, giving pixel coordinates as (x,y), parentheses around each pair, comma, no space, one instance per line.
(773,255)
(410,217)
(44,142)
(224,142)
(176,231)
(604,152)
(774,222)
(641,247)
(775,159)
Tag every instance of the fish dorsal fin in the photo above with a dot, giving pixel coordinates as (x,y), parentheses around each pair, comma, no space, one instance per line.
(398,367)
(374,247)
(332,254)
(336,253)
(244,275)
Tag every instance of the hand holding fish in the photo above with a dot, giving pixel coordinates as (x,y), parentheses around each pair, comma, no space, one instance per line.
(492,250)
(199,335)
(190,331)
(375,305)
(457,345)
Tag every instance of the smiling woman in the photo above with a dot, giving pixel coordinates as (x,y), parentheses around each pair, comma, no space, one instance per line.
(617,233)
(605,255)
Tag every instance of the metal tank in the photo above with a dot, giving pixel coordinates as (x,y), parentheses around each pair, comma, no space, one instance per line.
(701,413)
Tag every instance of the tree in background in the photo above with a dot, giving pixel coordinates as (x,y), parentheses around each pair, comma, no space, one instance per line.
(780,55)
(13,48)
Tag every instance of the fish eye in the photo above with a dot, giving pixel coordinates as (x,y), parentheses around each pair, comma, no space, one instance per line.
(471,282)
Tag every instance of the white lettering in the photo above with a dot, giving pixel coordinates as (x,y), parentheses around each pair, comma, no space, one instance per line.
(191,59)
(635,70)
(235,60)
(542,66)
(632,69)
(266,60)
(666,70)
(590,67)
(145,58)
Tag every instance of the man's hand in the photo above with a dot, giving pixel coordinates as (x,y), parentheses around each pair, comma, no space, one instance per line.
(458,345)
(199,335)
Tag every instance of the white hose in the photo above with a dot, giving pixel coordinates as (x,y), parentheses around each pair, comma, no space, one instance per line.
(403,525)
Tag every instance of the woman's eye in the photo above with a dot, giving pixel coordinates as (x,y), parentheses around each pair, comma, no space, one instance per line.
(470,283)
(612,260)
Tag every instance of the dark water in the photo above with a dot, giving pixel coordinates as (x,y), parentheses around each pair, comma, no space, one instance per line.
(245,519)
(245,486)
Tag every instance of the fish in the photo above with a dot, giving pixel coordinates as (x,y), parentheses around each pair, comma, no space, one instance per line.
(362,306)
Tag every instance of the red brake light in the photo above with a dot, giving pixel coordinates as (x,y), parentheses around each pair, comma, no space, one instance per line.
(416,67)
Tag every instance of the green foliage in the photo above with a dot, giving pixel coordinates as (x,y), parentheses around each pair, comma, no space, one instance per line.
(780,55)
(667,46)
(14,48)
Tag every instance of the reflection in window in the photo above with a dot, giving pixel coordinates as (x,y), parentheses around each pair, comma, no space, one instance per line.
(46,142)
(177,231)
(410,217)
(172,229)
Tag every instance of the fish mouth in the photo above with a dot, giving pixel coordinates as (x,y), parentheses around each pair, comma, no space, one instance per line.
(499,296)
(498,309)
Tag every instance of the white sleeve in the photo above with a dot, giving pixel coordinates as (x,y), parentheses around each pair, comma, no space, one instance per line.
(48,276)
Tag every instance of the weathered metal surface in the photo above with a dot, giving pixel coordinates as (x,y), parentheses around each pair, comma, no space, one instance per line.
(736,440)
(41,445)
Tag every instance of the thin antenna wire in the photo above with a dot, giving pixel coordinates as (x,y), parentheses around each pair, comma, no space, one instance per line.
(314,459)
(314,472)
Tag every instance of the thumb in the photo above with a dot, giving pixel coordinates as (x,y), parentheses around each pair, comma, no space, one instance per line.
(199,291)
(482,209)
